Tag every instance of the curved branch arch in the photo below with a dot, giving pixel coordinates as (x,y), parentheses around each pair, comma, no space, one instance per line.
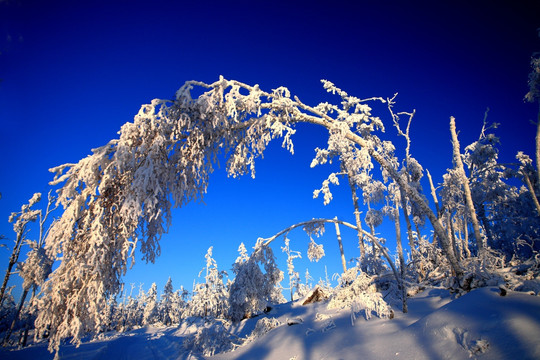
(122,194)
(374,239)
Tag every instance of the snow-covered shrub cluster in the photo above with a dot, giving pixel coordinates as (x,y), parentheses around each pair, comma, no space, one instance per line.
(430,263)
(358,292)
(262,326)
(211,339)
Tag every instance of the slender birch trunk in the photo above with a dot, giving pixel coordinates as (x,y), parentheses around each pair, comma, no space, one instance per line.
(12,261)
(358,222)
(452,235)
(401,259)
(435,200)
(466,238)
(17,314)
(466,188)
(531,190)
(407,220)
(338,235)
(538,150)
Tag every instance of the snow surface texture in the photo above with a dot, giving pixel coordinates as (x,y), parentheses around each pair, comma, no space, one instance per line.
(481,324)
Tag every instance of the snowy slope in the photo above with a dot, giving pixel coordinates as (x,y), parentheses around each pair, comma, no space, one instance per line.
(481,324)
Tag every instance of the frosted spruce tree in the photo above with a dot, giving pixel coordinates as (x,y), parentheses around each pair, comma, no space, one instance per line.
(169,305)
(150,314)
(209,298)
(121,195)
(256,281)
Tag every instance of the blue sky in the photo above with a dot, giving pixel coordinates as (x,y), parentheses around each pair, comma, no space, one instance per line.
(74,71)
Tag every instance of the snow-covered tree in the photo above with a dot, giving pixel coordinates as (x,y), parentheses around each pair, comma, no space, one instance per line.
(133,309)
(7,310)
(121,195)
(358,292)
(150,314)
(211,339)
(178,305)
(256,281)
(527,172)
(166,304)
(294,277)
(462,177)
(210,298)
(305,288)
(20,222)
(36,268)
(486,177)
(533,95)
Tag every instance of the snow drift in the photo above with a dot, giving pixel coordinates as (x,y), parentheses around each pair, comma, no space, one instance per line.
(480,324)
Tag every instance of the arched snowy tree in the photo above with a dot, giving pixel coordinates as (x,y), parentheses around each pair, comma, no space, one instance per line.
(122,194)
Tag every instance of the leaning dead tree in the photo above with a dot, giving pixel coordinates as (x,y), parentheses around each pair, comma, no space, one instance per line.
(121,196)
(465,183)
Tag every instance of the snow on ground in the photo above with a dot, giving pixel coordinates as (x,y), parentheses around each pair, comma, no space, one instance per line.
(481,324)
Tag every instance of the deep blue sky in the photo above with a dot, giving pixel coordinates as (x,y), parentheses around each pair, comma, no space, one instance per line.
(74,71)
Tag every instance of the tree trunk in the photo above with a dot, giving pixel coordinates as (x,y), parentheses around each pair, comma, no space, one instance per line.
(531,190)
(24,337)
(466,238)
(338,234)
(466,188)
(358,223)
(12,261)
(16,317)
(401,259)
(435,200)
(538,150)
(452,235)
(485,223)
(407,221)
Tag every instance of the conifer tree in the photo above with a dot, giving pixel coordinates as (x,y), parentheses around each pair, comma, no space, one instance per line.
(150,314)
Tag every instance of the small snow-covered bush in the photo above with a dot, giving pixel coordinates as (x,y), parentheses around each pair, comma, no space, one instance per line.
(483,270)
(263,326)
(430,262)
(358,292)
(210,340)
